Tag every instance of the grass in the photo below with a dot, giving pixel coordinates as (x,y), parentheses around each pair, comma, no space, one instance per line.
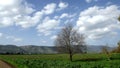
(62,61)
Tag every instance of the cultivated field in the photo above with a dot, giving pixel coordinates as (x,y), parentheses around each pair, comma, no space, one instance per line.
(62,61)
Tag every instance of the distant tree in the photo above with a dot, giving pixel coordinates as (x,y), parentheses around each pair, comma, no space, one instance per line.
(70,41)
(117,50)
(105,51)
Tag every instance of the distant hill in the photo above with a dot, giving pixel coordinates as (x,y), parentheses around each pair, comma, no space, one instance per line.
(32,49)
(10,49)
(97,49)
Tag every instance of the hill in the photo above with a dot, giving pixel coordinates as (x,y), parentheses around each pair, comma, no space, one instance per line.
(32,49)
(11,49)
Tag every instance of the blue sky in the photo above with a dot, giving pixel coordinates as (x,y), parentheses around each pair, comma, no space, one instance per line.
(36,22)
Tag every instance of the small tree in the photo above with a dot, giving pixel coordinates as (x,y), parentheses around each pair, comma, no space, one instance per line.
(70,41)
(105,51)
(117,50)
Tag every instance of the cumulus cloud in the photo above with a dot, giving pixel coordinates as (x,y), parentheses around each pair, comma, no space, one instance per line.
(64,15)
(11,38)
(62,5)
(53,37)
(47,25)
(21,13)
(28,21)
(43,41)
(67,18)
(1,34)
(89,1)
(15,39)
(6,21)
(98,22)
(13,11)
(49,8)
(7,2)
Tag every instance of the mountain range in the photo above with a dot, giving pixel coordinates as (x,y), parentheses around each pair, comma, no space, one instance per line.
(32,49)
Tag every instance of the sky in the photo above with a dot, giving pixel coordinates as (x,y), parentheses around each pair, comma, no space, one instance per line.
(37,22)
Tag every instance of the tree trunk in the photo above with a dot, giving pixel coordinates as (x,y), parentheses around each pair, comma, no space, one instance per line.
(71,57)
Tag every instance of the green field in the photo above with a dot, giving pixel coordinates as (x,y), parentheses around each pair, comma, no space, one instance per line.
(62,61)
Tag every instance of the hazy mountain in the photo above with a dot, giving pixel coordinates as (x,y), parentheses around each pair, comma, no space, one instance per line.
(10,49)
(97,49)
(32,49)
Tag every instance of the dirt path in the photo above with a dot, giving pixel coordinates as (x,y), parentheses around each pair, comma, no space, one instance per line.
(4,64)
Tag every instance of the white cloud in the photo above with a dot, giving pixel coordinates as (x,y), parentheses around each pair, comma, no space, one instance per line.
(98,22)
(53,37)
(14,12)
(6,2)
(11,38)
(29,21)
(67,18)
(49,8)
(56,17)
(64,15)
(6,21)
(21,13)
(44,41)
(47,25)
(15,39)
(1,34)
(89,1)
(62,5)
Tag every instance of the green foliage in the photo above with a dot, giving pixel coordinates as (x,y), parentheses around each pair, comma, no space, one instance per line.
(62,61)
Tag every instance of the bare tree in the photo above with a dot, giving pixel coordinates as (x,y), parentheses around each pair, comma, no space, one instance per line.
(70,41)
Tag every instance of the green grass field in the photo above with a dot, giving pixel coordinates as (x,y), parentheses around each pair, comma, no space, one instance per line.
(62,61)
